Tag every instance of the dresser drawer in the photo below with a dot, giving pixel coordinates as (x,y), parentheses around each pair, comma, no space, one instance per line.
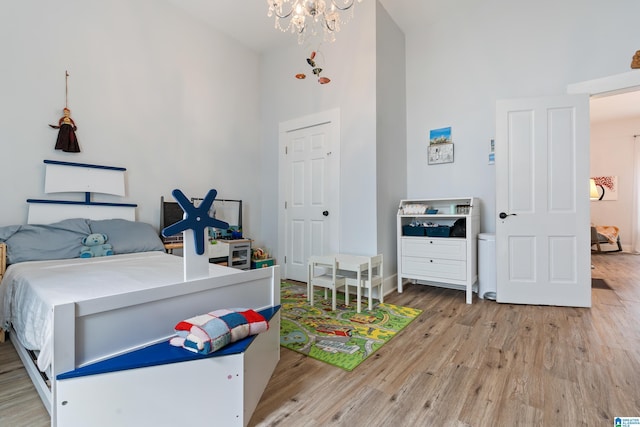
(427,247)
(434,268)
(219,249)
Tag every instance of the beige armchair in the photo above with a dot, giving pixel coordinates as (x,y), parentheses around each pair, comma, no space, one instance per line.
(612,236)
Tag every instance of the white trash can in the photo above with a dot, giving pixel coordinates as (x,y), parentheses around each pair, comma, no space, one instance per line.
(487,266)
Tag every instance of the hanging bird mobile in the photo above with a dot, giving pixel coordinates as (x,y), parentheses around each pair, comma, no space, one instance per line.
(315,68)
(67,140)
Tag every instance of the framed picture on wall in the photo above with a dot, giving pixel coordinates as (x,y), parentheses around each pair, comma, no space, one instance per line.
(492,152)
(607,187)
(440,153)
(440,136)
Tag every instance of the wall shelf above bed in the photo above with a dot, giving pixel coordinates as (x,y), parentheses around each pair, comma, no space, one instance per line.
(69,177)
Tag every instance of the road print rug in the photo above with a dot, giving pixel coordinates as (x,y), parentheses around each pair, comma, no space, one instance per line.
(343,338)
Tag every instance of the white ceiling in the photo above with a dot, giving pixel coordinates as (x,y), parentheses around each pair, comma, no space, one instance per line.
(624,105)
(243,20)
(246,21)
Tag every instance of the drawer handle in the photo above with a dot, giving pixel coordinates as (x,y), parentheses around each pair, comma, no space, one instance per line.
(431,242)
(430,260)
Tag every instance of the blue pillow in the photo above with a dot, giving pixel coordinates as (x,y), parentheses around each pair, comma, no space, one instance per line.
(39,242)
(128,236)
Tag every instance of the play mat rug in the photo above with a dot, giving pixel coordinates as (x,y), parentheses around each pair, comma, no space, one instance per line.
(342,338)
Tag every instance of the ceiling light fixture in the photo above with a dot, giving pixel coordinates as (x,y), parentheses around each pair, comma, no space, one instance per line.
(310,17)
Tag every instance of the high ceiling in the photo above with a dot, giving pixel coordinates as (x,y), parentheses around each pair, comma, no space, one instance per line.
(247,22)
(243,20)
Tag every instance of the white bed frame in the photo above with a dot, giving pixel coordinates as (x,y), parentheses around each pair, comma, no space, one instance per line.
(217,390)
(229,386)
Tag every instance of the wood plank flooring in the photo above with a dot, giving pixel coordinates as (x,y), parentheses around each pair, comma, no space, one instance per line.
(20,405)
(484,364)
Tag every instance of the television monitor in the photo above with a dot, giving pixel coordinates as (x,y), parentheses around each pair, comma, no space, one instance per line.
(229,211)
(170,213)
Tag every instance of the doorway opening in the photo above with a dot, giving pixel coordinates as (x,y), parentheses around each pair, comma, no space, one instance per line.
(614,121)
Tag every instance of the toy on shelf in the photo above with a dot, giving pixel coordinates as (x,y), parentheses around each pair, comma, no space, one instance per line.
(258,254)
(260,258)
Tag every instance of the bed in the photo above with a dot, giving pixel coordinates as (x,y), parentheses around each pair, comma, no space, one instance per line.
(94,333)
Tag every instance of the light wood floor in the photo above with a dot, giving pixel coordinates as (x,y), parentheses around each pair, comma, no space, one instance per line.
(484,364)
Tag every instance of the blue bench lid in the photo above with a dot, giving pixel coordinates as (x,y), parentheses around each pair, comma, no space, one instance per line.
(161,353)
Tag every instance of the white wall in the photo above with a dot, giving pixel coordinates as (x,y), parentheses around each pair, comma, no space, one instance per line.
(391,134)
(612,154)
(150,89)
(474,53)
(350,62)
(182,106)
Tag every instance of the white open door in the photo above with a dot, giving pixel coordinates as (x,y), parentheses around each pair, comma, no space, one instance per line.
(542,201)
(309,191)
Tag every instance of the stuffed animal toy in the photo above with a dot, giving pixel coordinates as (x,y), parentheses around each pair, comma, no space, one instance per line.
(95,245)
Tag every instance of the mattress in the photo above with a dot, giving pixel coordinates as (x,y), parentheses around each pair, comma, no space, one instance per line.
(29,290)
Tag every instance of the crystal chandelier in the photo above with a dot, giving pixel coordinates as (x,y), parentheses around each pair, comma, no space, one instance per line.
(310,17)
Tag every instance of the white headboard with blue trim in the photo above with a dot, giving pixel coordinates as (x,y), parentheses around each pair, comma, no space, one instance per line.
(83,178)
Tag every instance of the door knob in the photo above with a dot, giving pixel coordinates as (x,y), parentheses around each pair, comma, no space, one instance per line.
(504,215)
(325,213)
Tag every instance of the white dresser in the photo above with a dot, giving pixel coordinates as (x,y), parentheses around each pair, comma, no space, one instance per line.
(436,259)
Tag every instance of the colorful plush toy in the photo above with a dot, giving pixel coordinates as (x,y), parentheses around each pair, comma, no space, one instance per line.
(210,332)
(95,245)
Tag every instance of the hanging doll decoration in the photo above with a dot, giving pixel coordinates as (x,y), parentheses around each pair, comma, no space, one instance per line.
(67,140)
